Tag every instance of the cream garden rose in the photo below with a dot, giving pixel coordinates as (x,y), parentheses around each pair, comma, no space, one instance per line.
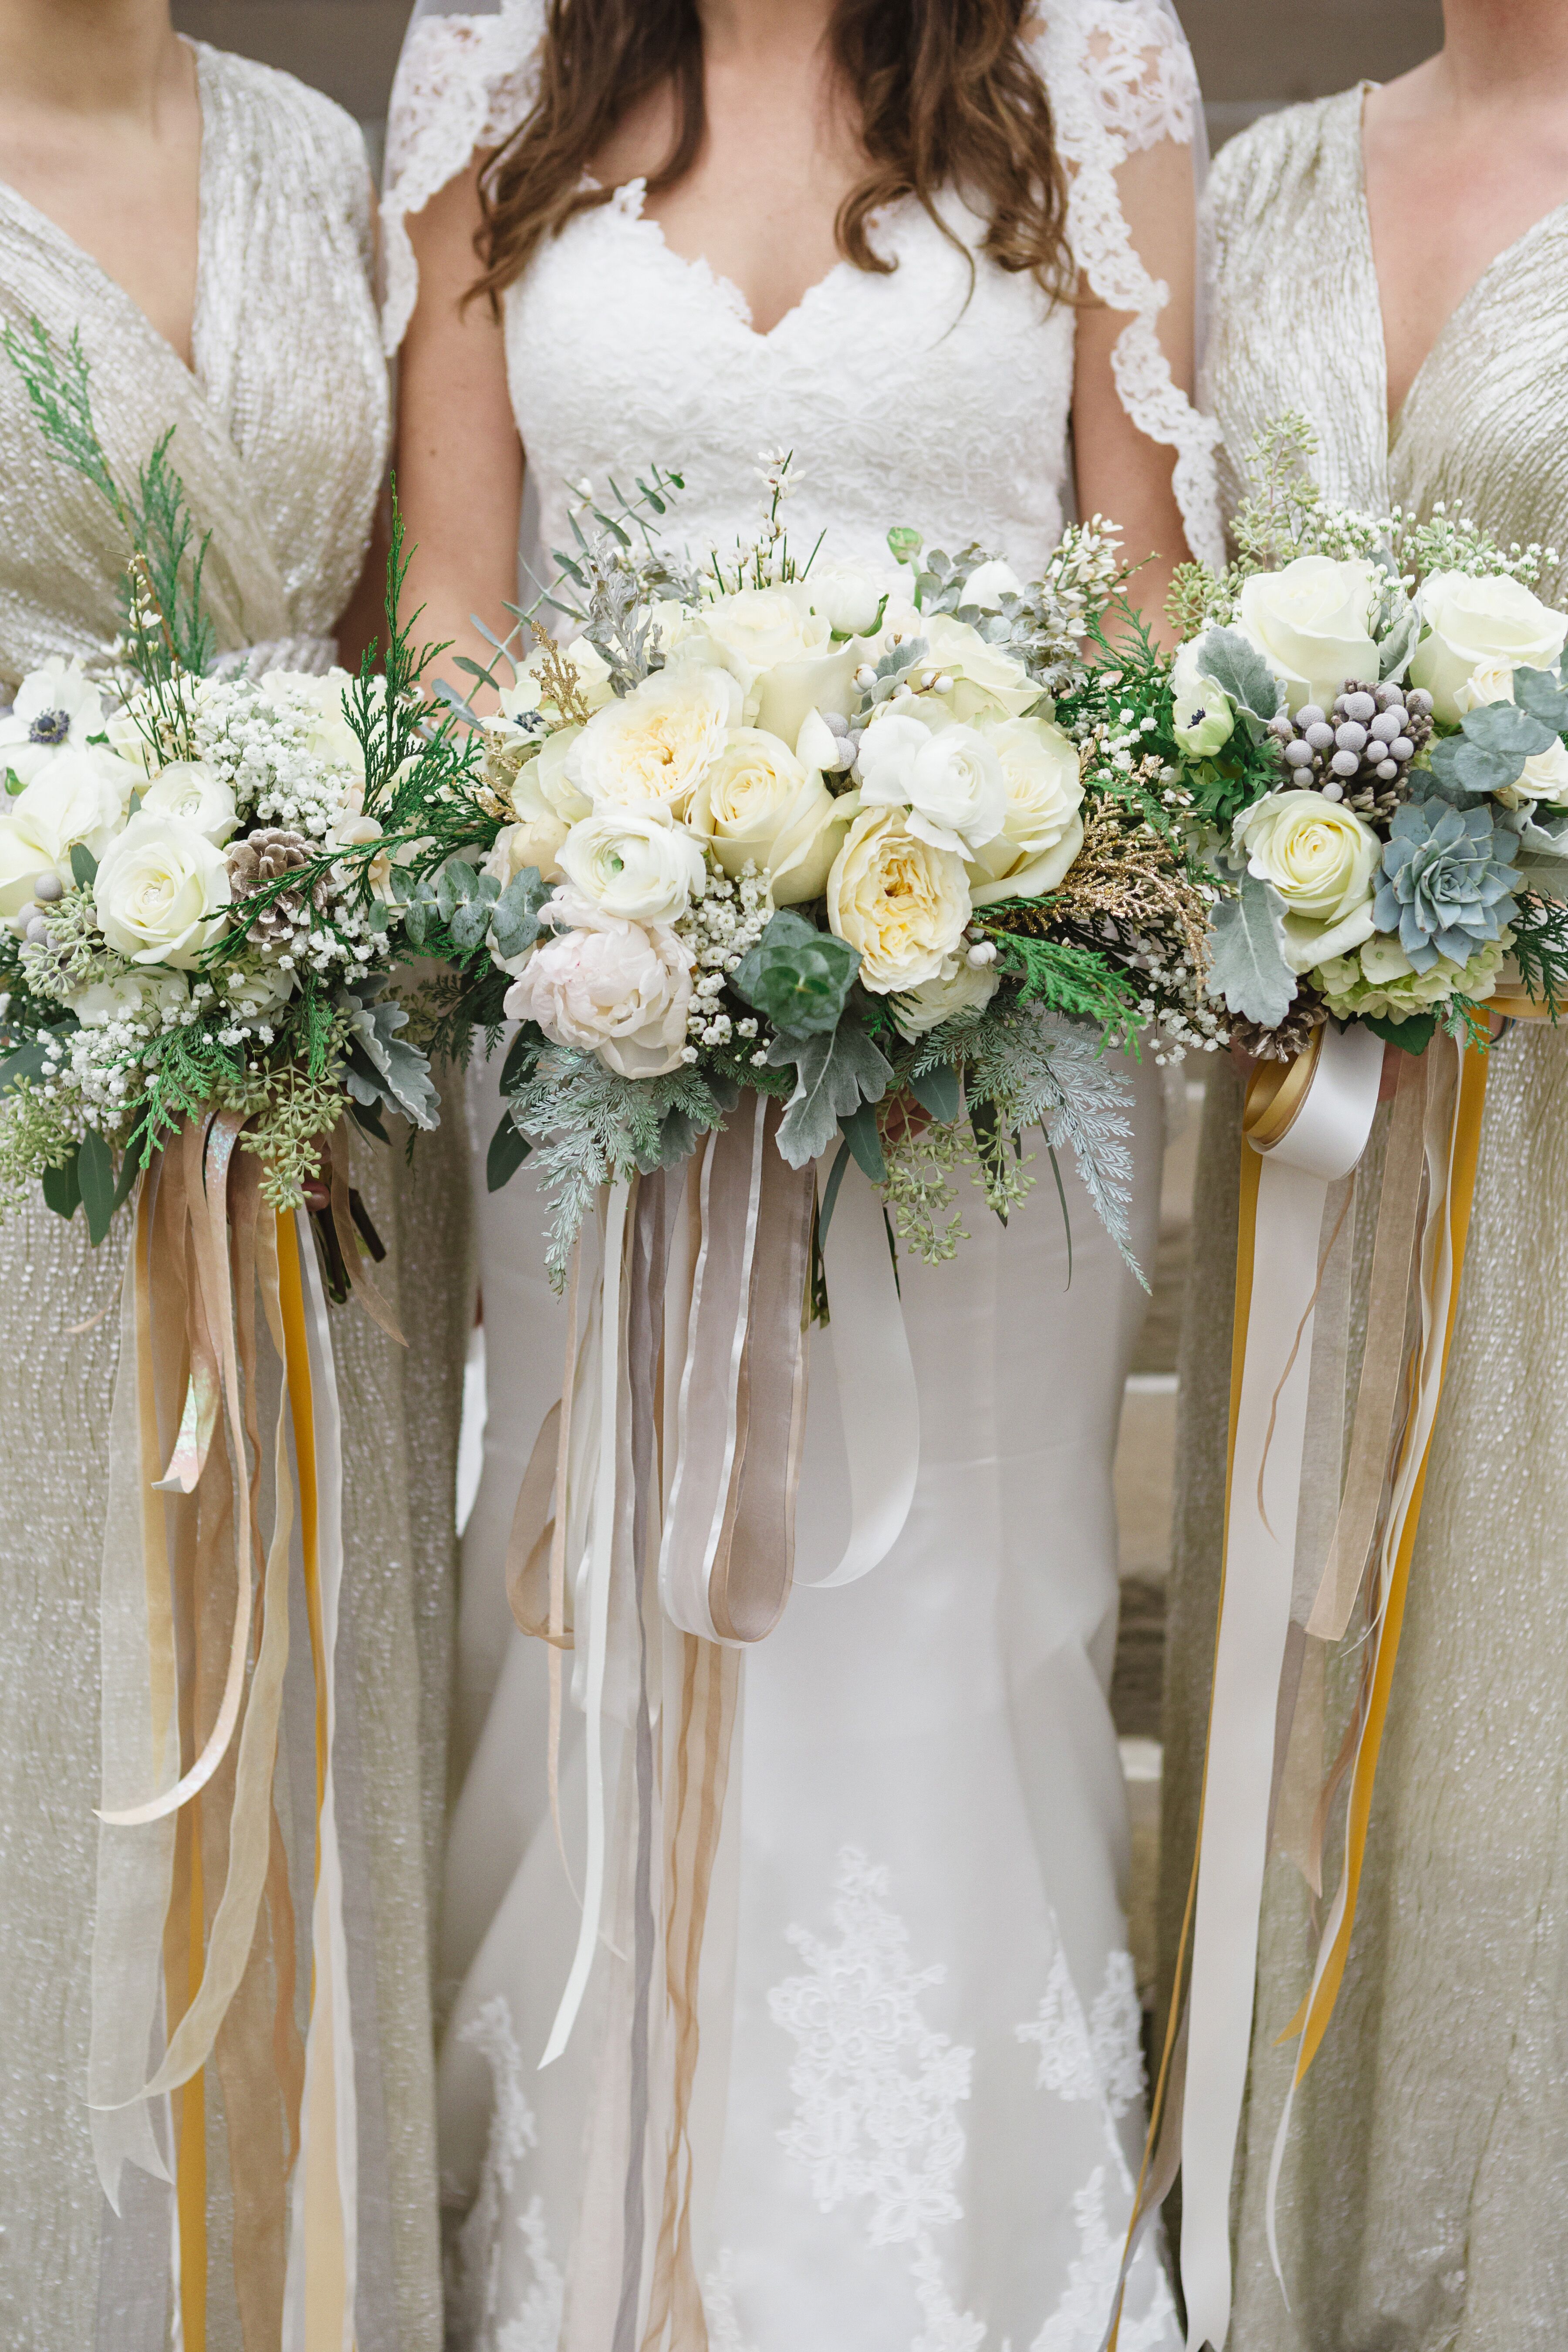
(191,791)
(984,675)
(758,803)
(161,892)
(1311,623)
(640,868)
(621,990)
(1041,831)
(1321,858)
(652,747)
(1480,624)
(901,902)
(948,776)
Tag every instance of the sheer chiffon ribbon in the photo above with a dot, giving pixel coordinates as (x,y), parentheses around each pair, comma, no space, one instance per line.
(653,1539)
(194,1951)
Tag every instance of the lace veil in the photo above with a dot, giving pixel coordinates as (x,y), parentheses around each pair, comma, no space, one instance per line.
(1121,78)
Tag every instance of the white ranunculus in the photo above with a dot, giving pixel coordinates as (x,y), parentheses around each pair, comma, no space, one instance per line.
(758,804)
(1322,859)
(985,677)
(1042,830)
(1204,721)
(619,990)
(959,987)
(131,994)
(650,749)
(75,798)
(948,777)
(57,705)
(163,892)
(328,732)
(989,582)
(639,868)
(1474,624)
(847,595)
(1312,625)
(903,903)
(194,791)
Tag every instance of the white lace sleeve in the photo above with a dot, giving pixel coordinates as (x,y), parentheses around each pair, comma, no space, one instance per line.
(1120,78)
(463,82)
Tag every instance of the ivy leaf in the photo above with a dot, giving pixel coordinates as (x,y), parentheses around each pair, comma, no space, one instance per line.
(835,1072)
(798,976)
(1248,969)
(509,1148)
(514,918)
(1241,671)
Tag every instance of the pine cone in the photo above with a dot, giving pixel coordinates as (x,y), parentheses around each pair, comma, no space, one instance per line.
(262,858)
(1282,1044)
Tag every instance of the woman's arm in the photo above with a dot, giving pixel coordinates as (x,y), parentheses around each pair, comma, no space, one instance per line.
(459,460)
(1121,473)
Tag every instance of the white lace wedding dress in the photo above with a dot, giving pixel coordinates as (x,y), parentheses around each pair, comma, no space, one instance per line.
(933,2101)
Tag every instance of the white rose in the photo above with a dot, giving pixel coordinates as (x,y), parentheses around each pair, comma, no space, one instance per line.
(21,861)
(1203,720)
(959,987)
(760,627)
(989,582)
(191,791)
(1322,859)
(161,892)
(1476,623)
(949,777)
(75,798)
(1545,776)
(757,803)
(903,903)
(984,675)
(620,991)
(1312,625)
(533,841)
(328,734)
(56,705)
(1042,830)
(847,595)
(650,749)
(1490,681)
(640,869)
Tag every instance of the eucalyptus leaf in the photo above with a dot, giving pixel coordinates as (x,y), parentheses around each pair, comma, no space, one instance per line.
(455,885)
(1540,691)
(26,1062)
(798,976)
(509,1148)
(938,1091)
(860,1133)
(835,1072)
(1469,767)
(84,866)
(1504,727)
(95,1178)
(1240,670)
(470,925)
(1247,968)
(514,918)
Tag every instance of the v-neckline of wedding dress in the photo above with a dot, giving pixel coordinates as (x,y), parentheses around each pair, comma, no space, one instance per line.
(1474,295)
(628,202)
(44,224)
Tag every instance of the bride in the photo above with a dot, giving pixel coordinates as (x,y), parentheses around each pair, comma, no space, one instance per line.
(704,232)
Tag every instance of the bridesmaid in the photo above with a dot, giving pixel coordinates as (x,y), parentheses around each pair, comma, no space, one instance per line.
(1394,262)
(206,224)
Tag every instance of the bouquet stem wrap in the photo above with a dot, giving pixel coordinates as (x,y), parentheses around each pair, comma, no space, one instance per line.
(195,1951)
(674,1458)
(1313,1522)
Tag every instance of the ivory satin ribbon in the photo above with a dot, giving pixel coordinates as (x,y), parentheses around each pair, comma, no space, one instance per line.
(1305,1129)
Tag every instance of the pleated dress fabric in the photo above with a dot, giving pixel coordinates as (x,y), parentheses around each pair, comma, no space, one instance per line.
(281,435)
(1422,2199)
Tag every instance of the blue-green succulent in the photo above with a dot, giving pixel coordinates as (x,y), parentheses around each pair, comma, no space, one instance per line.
(1447,875)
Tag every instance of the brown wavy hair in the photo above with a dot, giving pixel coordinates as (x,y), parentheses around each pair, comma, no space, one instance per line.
(948,98)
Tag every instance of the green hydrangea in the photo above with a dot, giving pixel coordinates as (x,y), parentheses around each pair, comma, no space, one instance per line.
(1380,982)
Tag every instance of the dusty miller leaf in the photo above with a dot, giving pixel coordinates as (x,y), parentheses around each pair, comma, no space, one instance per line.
(1248,969)
(835,1075)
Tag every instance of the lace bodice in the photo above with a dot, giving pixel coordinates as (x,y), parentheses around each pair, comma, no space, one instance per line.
(282,463)
(907,398)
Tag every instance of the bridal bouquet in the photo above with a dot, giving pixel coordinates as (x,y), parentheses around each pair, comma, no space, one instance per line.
(196,908)
(1372,716)
(836,838)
